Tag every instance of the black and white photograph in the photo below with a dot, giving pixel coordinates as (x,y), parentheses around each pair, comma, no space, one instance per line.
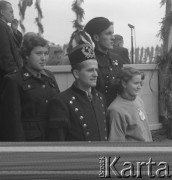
(85,89)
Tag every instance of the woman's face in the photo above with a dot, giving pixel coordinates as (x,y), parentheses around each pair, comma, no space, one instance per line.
(38,58)
(133,86)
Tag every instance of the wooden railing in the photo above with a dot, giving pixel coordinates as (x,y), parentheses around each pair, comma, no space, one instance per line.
(141,55)
(146,55)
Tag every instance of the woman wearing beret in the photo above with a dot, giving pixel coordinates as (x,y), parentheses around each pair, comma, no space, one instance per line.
(26,94)
(101,31)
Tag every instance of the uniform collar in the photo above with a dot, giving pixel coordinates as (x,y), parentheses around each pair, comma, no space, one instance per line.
(80,91)
(27,73)
(100,52)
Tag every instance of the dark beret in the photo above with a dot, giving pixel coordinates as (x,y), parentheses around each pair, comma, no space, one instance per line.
(97,25)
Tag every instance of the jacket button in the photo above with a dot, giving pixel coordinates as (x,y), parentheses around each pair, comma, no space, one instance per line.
(105,121)
(113,77)
(87,133)
(73,98)
(105,137)
(110,69)
(81,117)
(105,129)
(46,101)
(29,86)
(43,85)
(103,112)
(71,102)
(76,109)
(84,125)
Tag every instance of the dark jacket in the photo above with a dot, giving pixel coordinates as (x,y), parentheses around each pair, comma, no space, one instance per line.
(10,59)
(71,113)
(18,38)
(24,105)
(123,53)
(109,65)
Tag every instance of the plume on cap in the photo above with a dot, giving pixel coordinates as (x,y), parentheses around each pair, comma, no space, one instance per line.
(81,47)
(78,38)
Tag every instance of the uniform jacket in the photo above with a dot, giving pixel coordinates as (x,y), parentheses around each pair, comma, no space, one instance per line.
(123,53)
(81,119)
(24,105)
(109,65)
(10,60)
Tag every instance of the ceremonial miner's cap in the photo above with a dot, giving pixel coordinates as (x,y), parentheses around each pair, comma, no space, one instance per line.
(97,25)
(81,48)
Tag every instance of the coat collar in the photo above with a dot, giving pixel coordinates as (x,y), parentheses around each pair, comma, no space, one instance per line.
(26,74)
(100,52)
(3,21)
(80,91)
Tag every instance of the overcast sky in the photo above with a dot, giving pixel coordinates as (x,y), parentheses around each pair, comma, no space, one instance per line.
(145,15)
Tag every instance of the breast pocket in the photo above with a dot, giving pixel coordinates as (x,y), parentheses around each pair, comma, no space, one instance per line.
(29,100)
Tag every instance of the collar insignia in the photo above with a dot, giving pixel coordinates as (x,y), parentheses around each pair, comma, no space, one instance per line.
(115,62)
(26,74)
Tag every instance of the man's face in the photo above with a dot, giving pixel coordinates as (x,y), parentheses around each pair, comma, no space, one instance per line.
(87,75)
(105,39)
(8,15)
(38,58)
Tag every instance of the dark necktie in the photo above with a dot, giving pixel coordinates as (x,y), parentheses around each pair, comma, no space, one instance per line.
(90,96)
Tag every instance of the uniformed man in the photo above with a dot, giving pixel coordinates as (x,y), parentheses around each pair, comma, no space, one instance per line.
(79,113)
(118,48)
(101,31)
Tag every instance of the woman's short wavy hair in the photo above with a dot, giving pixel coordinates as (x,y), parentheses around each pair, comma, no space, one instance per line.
(125,74)
(30,41)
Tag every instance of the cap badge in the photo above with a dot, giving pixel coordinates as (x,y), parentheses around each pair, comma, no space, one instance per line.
(88,52)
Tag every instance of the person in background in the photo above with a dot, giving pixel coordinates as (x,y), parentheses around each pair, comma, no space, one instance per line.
(17,34)
(10,59)
(101,31)
(26,94)
(79,113)
(119,49)
(126,114)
